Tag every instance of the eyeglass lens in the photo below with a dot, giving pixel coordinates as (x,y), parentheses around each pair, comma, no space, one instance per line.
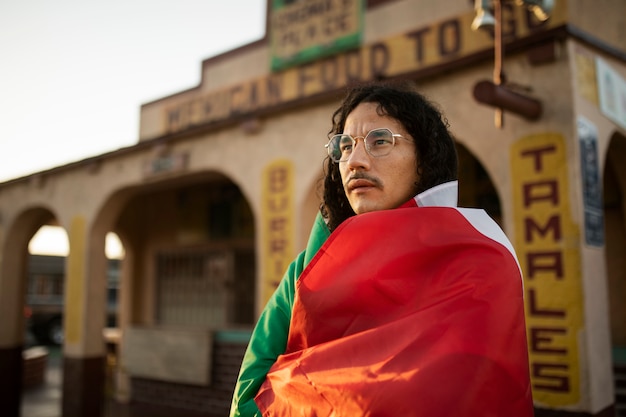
(378,142)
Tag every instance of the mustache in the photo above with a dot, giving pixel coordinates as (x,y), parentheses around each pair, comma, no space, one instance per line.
(363,176)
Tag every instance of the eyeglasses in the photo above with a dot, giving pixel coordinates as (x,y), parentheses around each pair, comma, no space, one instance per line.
(378,142)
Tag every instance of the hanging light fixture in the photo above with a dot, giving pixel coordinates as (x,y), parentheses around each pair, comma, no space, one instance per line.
(495,93)
(540,8)
(484,19)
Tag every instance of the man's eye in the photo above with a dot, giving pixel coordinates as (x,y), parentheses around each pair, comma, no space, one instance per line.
(380,143)
(346,147)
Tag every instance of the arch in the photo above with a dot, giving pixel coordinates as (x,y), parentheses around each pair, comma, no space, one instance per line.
(614,196)
(13,282)
(203,209)
(179,235)
(476,189)
(14,270)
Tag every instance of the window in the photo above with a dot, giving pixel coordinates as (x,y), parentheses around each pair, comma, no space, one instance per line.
(207,288)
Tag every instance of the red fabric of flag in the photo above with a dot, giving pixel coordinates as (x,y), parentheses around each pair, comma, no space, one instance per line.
(406,312)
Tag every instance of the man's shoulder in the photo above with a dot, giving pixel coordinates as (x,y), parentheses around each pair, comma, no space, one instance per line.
(487,226)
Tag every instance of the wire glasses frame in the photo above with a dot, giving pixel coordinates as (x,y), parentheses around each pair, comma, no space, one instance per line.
(378,142)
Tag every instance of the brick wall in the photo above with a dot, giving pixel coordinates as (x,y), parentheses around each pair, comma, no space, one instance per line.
(192,400)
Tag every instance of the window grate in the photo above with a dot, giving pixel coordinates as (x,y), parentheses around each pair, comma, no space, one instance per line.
(204,288)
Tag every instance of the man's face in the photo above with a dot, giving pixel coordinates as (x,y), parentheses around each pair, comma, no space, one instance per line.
(378,183)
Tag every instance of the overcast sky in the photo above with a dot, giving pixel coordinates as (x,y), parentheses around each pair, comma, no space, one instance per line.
(74,73)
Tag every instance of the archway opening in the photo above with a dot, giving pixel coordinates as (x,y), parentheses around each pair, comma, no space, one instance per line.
(48,250)
(188,289)
(475,186)
(614,194)
(193,249)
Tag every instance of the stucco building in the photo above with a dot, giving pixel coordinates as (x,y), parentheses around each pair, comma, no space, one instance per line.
(220,191)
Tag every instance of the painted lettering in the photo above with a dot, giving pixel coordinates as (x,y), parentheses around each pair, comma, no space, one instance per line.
(278,224)
(418,37)
(278,180)
(553,224)
(237,100)
(278,204)
(449,38)
(546,246)
(537,154)
(274,88)
(551,372)
(329,73)
(535,310)
(277,245)
(379,60)
(545,261)
(430,45)
(542,340)
(353,67)
(277,220)
(305,77)
(253,97)
(336,25)
(314,23)
(538,191)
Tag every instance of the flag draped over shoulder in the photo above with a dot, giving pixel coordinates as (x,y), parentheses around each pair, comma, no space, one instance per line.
(405,312)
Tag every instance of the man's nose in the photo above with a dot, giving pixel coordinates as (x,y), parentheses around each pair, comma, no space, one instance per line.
(359,158)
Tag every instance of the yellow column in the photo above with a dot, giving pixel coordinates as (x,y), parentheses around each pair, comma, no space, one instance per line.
(84,315)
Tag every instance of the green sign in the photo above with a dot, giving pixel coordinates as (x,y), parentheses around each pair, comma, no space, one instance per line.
(305,30)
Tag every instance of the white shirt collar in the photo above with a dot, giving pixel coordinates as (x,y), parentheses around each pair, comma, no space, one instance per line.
(442,195)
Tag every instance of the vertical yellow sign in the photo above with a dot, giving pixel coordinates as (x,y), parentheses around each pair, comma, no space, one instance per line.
(547,244)
(277,220)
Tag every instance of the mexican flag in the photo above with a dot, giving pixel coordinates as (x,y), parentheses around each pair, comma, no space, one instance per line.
(406,312)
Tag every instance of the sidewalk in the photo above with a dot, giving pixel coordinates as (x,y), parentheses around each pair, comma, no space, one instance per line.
(45,400)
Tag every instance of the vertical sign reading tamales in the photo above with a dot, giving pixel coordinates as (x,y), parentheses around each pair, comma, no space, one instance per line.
(547,242)
(305,30)
(278,230)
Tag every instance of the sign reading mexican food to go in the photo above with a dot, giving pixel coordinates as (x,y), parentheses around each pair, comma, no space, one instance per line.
(446,43)
(305,30)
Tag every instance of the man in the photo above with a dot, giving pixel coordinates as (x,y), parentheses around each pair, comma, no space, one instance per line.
(402,304)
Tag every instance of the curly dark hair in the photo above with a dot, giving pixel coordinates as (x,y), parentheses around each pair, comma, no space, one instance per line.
(435,148)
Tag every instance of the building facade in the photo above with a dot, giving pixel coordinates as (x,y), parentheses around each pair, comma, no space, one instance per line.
(220,191)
